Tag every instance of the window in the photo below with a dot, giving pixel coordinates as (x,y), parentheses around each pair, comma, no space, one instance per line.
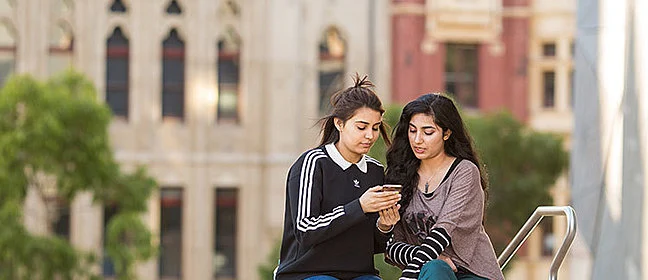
(572,49)
(118,7)
(225,216)
(461,73)
(549,93)
(60,48)
(332,53)
(173,76)
(173,8)
(171,203)
(228,78)
(548,237)
(572,89)
(61,218)
(117,67)
(107,266)
(7,53)
(549,49)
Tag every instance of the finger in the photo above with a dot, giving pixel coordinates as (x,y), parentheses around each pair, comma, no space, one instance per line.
(390,217)
(388,204)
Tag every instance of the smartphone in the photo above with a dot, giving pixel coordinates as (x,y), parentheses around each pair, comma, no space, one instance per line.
(392,187)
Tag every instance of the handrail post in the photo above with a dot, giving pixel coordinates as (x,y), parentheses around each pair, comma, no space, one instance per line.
(531,224)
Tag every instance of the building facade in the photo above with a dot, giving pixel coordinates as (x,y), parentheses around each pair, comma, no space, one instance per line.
(491,55)
(216,98)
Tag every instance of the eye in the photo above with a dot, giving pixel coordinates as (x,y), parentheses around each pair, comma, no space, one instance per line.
(412,130)
(429,132)
(361,127)
(375,128)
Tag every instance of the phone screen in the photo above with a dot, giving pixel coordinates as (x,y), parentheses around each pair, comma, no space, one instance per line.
(392,187)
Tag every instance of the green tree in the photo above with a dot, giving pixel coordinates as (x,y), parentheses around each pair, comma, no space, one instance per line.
(54,141)
(521,165)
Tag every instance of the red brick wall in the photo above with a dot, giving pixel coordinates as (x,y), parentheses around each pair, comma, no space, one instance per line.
(516,40)
(490,80)
(502,79)
(413,71)
(432,74)
(407,34)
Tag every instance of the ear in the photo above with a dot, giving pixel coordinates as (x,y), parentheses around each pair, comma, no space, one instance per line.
(339,124)
(446,134)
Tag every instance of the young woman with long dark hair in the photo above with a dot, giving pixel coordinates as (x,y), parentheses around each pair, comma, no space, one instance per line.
(334,195)
(441,233)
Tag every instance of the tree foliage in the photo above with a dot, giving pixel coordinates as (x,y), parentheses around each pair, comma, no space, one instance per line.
(522,165)
(54,141)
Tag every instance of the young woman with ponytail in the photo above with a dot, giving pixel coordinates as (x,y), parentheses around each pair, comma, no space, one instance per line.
(337,216)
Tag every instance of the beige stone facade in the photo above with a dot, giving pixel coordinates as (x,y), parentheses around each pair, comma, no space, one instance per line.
(278,100)
(553,27)
(278,103)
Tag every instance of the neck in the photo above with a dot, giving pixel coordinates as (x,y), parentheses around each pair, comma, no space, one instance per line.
(429,165)
(348,155)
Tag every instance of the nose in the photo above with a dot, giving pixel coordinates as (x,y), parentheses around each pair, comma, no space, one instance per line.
(369,135)
(418,138)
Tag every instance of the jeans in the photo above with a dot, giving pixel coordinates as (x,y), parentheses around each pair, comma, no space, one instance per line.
(440,270)
(326,277)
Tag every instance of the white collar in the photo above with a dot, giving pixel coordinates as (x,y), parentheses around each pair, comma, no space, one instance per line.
(337,158)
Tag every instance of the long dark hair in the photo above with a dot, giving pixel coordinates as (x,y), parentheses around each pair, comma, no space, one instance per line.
(344,105)
(402,164)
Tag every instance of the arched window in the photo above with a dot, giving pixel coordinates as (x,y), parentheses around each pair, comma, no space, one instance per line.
(7,52)
(173,78)
(61,46)
(332,53)
(117,65)
(228,72)
(174,8)
(118,6)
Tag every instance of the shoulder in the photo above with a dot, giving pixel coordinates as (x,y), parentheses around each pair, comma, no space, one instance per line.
(373,161)
(465,165)
(309,158)
(467,170)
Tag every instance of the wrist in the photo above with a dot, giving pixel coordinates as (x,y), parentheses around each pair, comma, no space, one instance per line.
(362,206)
(384,228)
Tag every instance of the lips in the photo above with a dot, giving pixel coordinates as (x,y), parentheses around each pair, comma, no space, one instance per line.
(418,150)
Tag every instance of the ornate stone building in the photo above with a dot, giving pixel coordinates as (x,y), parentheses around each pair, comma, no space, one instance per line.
(217,98)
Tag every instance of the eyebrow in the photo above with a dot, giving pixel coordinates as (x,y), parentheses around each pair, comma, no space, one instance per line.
(367,123)
(425,127)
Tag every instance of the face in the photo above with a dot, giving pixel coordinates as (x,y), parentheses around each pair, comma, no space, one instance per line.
(358,134)
(426,138)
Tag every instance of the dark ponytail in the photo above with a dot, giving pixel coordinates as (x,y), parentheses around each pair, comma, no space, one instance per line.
(344,105)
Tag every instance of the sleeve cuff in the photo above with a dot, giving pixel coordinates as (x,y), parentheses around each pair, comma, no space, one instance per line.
(354,210)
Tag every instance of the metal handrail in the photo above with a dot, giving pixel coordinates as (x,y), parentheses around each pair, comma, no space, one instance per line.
(531,224)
